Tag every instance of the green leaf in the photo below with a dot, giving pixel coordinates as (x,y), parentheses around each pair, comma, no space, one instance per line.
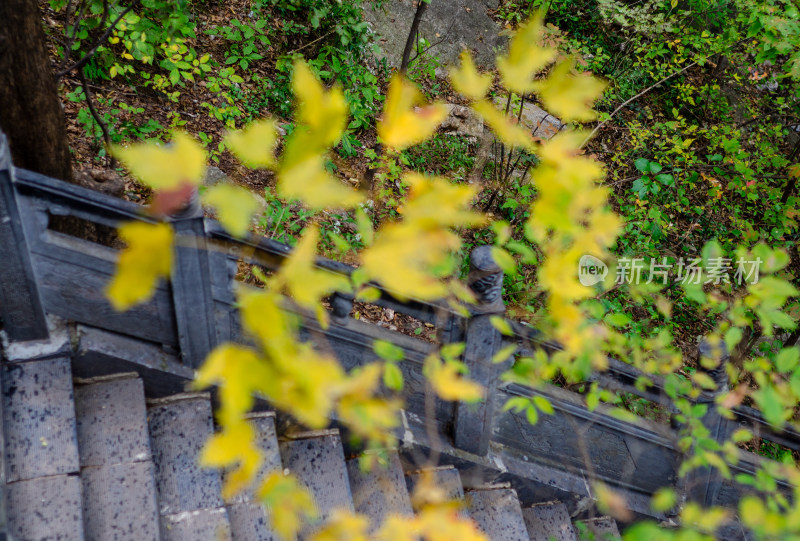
(504,353)
(769,402)
(641,164)
(527,254)
(653,167)
(663,500)
(771,260)
(393,377)
(665,179)
(786,360)
(518,403)
(543,404)
(502,325)
(617,320)
(532,415)
(387,351)
(742,435)
(452,351)
(369,294)
(504,260)
(640,186)
(733,337)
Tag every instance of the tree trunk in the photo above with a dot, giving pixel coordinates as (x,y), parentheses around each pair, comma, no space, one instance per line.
(412,34)
(30,109)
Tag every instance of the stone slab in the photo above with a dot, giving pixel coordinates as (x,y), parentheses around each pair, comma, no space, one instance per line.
(112,422)
(179,427)
(119,502)
(267,441)
(602,528)
(381,491)
(202,524)
(549,522)
(497,513)
(39,419)
(45,508)
(318,463)
(251,522)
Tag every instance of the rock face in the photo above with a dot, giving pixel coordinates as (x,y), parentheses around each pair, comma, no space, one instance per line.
(462,120)
(452,25)
(541,123)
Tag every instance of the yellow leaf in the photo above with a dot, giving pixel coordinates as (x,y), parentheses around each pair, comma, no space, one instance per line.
(231,366)
(569,96)
(413,269)
(399,528)
(663,500)
(165,167)
(510,133)
(344,525)
(406,268)
(448,383)
(305,384)
(446,524)
(368,416)
(263,318)
(403,124)
(611,502)
(235,206)
(308,181)
(467,80)
(435,202)
(289,502)
(306,284)
(323,113)
(146,259)
(321,117)
(235,445)
(254,145)
(525,57)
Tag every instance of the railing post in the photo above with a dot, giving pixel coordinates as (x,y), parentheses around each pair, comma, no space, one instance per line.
(703,484)
(191,288)
(473,422)
(20,303)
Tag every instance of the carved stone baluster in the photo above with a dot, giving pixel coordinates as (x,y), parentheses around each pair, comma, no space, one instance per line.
(703,484)
(473,422)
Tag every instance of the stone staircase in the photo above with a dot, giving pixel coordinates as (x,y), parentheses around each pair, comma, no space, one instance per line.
(95,460)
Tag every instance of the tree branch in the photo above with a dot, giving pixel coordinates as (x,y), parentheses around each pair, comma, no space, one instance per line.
(637,96)
(412,33)
(88,56)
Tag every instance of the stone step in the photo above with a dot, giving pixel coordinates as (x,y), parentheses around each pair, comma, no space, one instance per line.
(45,508)
(119,494)
(317,460)
(599,529)
(39,419)
(380,491)
(189,496)
(41,451)
(445,477)
(249,520)
(497,512)
(549,521)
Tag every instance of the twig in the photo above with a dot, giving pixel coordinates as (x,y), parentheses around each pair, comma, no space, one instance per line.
(88,56)
(112,163)
(71,35)
(637,96)
(422,6)
(310,43)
